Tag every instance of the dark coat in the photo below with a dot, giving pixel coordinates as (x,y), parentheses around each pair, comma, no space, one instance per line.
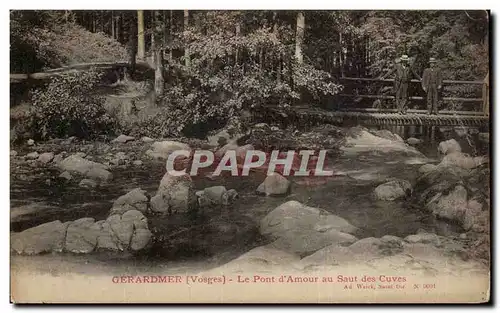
(403,74)
(432,77)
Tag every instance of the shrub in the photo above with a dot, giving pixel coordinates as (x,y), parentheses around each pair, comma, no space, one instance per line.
(69,106)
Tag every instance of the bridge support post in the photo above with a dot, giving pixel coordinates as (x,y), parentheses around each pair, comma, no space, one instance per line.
(486,95)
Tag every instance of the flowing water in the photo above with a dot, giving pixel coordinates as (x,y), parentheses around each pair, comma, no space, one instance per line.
(349,194)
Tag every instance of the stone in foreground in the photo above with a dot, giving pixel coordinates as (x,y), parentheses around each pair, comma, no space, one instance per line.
(48,237)
(274,185)
(301,229)
(393,190)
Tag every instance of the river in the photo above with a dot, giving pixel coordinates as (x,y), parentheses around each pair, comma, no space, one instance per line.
(349,194)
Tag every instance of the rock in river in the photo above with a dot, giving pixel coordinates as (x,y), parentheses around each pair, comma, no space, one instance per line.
(175,194)
(301,229)
(78,164)
(413,141)
(32,155)
(393,190)
(46,157)
(46,237)
(274,184)
(135,199)
(449,146)
(426,168)
(81,236)
(162,149)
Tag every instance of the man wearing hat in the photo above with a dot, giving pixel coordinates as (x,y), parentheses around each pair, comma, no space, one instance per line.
(402,70)
(431,82)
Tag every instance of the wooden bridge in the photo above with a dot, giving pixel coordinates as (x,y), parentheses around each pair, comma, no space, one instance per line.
(388,117)
(479,116)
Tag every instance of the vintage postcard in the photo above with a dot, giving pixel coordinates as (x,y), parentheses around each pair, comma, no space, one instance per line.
(265,156)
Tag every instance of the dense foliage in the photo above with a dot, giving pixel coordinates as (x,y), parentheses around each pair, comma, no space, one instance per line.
(219,64)
(70,106)
(50,39)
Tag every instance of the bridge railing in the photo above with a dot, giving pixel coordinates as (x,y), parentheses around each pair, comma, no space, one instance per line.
(483,101)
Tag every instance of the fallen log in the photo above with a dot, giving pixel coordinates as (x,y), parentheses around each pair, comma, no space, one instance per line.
(75,68)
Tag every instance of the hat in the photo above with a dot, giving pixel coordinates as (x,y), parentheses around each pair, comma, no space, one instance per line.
(432,60)
(404,57)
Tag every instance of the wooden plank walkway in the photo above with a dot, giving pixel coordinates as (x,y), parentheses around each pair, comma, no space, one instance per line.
(389,117)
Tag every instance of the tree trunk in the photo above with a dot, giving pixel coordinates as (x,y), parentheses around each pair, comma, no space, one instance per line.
(186,47)
(102,22)
(280,58)
(299,37)
(171,36)
(341,52)
(153,29)
(113,32)
(236,55)
(165,29)
(159,80)
(94,23)
(141,48)
(132,43)
(119,27)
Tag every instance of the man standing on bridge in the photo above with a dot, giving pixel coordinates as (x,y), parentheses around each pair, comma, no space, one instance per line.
(401,80)
(431,83)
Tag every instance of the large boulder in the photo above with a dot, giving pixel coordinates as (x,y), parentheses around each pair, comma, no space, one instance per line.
(452,205)
(426,168)
(107,239)
(463,160)
(274,184)
(141,238)
(135,199)
(449,146)
(393,190)
(441,179)
(48,237)
(175,194)
(119,232)
(81,236)
(162,149)
(125,229)
(301,229)
(216,196)
(77,164)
